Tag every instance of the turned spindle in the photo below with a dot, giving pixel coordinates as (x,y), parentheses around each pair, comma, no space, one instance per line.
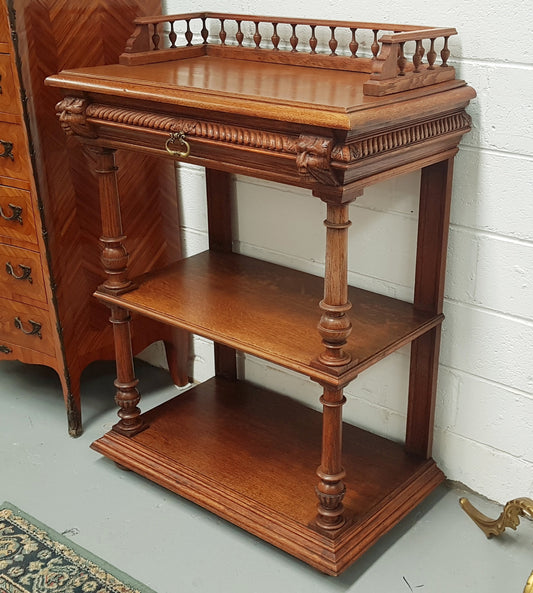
(294,39)
(432,55)
(257,35)
(188,32)
(334,326)
(354,46)
(375,45)
(402,61)
(222,33)
(239,36)
(313,41)
(127,397)
(114,256)
(330,489)
(445,53)
(204,32)
(333,43)
(172,36)
(156,37)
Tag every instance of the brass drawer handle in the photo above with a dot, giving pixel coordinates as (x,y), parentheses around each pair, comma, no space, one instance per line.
(5,349)
(8,150)
(26,272)
(16,215)
(35,328)
(178,138)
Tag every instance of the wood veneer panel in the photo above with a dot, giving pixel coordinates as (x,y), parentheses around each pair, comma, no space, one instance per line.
(268,310)
(249,455)
(57,34)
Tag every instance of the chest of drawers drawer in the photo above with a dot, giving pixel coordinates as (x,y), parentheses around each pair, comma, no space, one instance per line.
(14,158)
(4,32)
(21,277)
(9,94)
(16,216)
(25,326)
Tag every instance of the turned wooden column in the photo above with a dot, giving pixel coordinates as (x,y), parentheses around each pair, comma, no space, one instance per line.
(114,256)
(330,489)
(334,328)
(127,397)
(114,259)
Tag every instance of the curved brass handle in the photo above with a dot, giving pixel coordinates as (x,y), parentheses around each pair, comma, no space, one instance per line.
(8,150)
(26,272)
(179,138)
(16,215)
(35,328)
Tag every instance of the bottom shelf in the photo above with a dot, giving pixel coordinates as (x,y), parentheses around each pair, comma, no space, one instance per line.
(249,455)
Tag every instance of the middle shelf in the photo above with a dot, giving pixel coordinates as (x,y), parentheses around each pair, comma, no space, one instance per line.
(270,311)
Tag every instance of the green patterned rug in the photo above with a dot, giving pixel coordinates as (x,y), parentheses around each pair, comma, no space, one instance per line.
(36,559)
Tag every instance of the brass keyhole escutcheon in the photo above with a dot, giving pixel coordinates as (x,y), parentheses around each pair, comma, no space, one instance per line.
(178,138)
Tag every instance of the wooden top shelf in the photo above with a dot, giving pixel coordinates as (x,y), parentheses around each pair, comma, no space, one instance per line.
(270,311)
(330,105)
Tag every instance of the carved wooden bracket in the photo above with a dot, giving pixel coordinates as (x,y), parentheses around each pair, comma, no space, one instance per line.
(313,159)
(71,112)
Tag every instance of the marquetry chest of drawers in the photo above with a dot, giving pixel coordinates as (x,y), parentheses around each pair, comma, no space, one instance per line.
(47,313)
(28,322)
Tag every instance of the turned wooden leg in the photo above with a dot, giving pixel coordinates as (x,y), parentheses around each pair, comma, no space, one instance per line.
(433,224)
(330,489)
(127,397)
(115,263)
(334,326)
(114,256)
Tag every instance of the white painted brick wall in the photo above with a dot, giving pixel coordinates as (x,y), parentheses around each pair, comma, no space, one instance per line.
(484,420)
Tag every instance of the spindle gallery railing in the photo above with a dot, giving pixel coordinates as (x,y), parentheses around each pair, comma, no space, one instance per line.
(381,50)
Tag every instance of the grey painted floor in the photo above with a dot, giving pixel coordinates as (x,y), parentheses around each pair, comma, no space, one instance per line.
(174,546)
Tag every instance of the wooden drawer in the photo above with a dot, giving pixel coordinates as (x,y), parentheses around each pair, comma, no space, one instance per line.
(16,215)
(21,276)
(5,31)
(26,326)
(9,95)
(14,158)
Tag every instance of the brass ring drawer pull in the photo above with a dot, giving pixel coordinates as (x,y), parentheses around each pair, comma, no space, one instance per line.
(35,328)
(5,349)
(16,215)
(178,138)
(8,150)
(26,272)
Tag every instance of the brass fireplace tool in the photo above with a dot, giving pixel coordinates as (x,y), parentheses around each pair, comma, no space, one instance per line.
(510,517)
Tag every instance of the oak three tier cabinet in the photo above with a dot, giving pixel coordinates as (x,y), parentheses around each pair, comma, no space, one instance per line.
(326,105)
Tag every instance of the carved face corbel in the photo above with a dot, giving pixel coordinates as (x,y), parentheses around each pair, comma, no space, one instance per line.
(313,159)
(71,112)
